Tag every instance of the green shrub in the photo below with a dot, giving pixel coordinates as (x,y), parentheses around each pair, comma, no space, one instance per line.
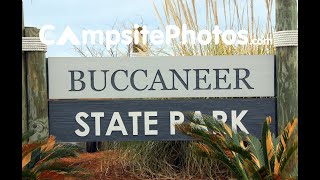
(245,155)
(42,158)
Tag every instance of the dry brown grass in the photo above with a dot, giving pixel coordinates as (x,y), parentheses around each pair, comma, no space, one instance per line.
(120,165)
(237,15)
(103,165)
(167,160)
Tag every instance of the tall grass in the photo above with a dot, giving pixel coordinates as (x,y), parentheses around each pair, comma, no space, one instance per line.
(236,15)
(168,159)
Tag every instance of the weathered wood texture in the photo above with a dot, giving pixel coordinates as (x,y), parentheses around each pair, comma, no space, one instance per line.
(23,86)
(286,64)
(36,89)
(63,124)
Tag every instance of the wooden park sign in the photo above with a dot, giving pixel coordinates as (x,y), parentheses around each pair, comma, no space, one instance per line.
(142,98)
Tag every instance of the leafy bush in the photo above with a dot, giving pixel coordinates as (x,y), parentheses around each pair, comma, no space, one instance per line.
(245,155)
(41,159)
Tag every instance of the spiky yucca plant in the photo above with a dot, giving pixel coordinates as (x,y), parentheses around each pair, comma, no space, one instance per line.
(245,155)
(40,159)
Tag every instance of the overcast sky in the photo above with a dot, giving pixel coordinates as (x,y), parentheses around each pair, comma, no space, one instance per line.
(100,14)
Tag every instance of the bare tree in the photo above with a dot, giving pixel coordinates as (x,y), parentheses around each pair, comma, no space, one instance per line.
(120,50)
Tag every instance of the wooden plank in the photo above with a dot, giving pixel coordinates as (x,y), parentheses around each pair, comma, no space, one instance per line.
(37,89)
(63,124)
(207,76)
(287,64)
(23,87)
(24,97)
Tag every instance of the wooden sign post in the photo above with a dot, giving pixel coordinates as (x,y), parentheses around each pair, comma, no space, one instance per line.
(36,81)
(287,63)
(34,84)
(24,86)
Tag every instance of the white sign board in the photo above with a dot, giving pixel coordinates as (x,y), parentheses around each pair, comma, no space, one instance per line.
(161,77)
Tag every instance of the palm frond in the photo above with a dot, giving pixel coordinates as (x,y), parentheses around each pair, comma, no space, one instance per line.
(285,136)
(28,175)
(288,154)
(66,150)
(28,148)
(201,135)
(240,164)
(26,159)
(294,173)
(251,169)
(35,157)
(256,160)
(246,154)
(50,143)
(232,164)
(44,155)
(267,146)
(256,149)
(264,173)
(55,165)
